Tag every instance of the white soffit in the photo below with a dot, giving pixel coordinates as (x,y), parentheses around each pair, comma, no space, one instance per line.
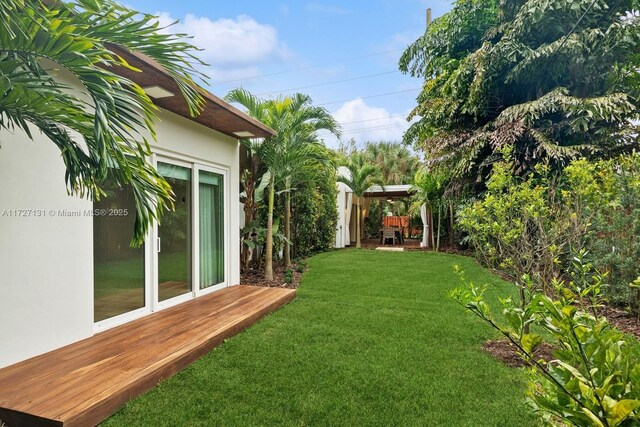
(157,92)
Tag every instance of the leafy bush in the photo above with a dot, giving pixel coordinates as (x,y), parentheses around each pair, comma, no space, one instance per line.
(288,276)
(523,225)
(314,217)
(595,376)
(530,225)
(301,266)
(614,241)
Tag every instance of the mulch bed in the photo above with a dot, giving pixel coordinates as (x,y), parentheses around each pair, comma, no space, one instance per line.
(256,278)
(622,320)
(504,351)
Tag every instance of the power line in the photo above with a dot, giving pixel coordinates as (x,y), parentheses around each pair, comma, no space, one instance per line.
(377,118)
(576,26)
(373,128)
(363,130)
(370,96)
(328,83)
(257,76)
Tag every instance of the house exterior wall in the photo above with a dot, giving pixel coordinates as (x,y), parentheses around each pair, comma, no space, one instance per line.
(46,255)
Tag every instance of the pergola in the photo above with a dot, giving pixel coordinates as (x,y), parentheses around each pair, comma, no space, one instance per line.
(346,203)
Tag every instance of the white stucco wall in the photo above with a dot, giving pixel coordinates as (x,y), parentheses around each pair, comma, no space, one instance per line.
(46,258)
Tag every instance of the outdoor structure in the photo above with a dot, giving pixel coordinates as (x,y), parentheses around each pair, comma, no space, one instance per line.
(346,206)
(345,202)
(68,268)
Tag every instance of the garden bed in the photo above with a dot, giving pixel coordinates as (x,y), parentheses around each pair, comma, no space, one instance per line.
(256,278)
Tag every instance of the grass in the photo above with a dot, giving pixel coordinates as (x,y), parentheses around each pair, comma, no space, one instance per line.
(371,339)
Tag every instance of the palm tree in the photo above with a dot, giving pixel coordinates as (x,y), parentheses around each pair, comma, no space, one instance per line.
(362,175)
(302,154)
(293,150)
(104,139)
(428,190)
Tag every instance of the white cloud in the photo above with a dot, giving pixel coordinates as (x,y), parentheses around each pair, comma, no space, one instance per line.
(366,123)
(232,47)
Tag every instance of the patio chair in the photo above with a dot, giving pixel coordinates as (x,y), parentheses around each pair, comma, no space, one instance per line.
(388,233)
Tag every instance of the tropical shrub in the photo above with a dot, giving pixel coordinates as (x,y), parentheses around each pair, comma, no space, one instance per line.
(530,225)
(288,276)
(594,378)
(525,226)
(314,217)
(614,242)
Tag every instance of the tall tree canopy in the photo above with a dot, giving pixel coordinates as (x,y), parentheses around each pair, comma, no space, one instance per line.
(101,139)
(549,79)
(396,163)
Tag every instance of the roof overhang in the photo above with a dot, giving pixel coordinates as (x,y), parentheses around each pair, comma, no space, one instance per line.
(217,114)
(389,191)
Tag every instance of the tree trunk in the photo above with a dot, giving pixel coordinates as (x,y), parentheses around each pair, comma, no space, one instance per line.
(439,225)
(358,244)
(451,224)
(287,225)
(268,257)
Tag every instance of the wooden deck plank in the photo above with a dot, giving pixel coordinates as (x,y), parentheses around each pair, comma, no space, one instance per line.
(55,374)
(68,355)
(85,382)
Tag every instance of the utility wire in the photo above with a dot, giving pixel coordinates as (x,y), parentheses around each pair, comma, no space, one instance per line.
(328,83)
(257,76)
(576,25)
(372,128)
(377,118)
(369,96)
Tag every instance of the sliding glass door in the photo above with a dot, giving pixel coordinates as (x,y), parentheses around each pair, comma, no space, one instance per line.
(211,225)
(174,235)
(184,256)
(118,268)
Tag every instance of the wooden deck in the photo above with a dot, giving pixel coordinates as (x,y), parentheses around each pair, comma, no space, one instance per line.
(85,382)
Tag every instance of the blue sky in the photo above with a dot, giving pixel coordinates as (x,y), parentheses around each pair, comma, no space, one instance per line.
(343,54)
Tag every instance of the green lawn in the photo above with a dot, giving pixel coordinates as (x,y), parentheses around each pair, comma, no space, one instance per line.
(371,339)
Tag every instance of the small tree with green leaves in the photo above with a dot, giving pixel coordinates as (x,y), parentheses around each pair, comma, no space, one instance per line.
(594,377)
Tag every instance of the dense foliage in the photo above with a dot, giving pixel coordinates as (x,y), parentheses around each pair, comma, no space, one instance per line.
(314,216)
(594,376)
(550,79)
(531,225)
(294,156)
(105,143)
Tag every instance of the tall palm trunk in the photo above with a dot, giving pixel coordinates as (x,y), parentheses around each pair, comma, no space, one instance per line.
(451,224)
(439,224)
(358,244)
(268,257)
(287,224)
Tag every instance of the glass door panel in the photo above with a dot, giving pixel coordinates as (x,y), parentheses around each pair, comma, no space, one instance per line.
(211,224)
(119,280)
(174,235)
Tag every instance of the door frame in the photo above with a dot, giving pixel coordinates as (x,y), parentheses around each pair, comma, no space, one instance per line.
(151,243)
(225,229)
